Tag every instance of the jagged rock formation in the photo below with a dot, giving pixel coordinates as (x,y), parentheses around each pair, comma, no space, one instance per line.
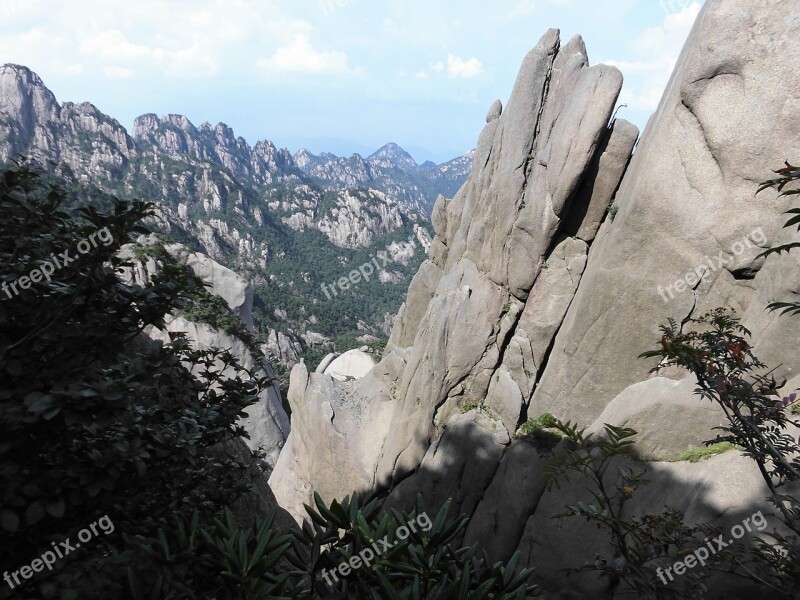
(171,160)
(463,337)
(32,122)
(176,137)
(348,218)
(528,304)
(283,349)
(689,196)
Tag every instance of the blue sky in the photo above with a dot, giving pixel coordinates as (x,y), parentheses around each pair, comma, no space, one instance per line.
(338,75)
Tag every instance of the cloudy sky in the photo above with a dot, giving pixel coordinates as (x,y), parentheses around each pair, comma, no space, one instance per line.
(338,75)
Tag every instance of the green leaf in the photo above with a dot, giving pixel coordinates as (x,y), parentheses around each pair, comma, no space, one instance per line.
(38,402)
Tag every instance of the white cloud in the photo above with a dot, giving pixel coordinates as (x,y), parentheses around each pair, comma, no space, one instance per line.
(658,49)
(121,58)
(124,40)
(112,46)
(299,56)
(114,72)
(458,67)
(526,7)
(455,67)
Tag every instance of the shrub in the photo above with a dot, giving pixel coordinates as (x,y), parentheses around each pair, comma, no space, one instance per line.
(226,562)
(639,545)
(541,432)
(428,564)
(719,356)
(95,418)
(715,350)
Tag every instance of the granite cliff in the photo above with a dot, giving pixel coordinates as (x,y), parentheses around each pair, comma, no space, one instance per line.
(534,299)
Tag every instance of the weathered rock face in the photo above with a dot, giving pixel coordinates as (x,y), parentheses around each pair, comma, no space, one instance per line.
(667,415)
(348,218)
(528,304)
(222,282)
(335,445)
(78,135)
(688,196)
(481,314)
(266,422)
(602,180)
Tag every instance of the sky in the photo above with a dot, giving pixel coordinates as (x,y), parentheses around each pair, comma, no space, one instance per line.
(341,76)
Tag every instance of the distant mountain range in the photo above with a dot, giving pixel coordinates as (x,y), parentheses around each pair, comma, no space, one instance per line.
(391,170)
(289,223)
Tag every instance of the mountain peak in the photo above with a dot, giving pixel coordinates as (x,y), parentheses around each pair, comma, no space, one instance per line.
(22,73)
(26,102)
(20,79)
(394,153)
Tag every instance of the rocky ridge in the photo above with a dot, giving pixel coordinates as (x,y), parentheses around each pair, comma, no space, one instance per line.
(391,170)
(250,208)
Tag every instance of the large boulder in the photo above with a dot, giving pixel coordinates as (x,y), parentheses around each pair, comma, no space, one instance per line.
(353,364)
(667,414)
(723,490)
(336,428)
